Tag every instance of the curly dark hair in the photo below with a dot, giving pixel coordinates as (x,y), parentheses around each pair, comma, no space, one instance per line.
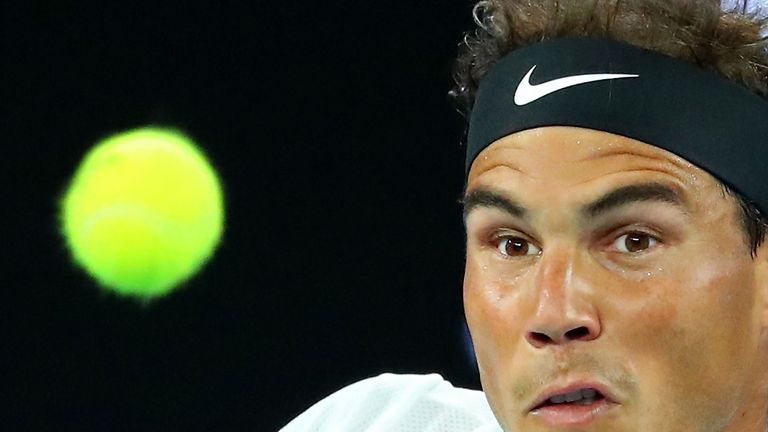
(727,41)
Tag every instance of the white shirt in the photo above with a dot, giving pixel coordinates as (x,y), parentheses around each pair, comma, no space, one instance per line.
(399,403)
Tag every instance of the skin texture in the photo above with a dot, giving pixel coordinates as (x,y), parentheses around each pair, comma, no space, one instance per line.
(663,304)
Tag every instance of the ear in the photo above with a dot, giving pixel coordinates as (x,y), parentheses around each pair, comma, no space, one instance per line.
(760,263)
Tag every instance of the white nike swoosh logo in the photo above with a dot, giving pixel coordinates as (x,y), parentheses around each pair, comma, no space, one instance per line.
(527,93)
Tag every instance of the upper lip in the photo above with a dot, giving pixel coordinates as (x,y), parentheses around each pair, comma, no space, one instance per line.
(561,389)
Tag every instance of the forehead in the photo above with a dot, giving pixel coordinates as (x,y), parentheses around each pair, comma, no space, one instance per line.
(569,155)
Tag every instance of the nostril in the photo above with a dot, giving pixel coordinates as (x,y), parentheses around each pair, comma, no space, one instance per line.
(577,333)
(540,337)
(544,338)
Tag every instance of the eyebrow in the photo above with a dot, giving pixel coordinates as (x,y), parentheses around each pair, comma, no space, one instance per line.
(612,200)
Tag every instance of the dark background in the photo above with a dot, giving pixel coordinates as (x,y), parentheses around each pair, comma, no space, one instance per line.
(339,155)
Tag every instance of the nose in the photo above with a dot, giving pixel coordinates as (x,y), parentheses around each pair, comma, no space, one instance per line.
(564,310)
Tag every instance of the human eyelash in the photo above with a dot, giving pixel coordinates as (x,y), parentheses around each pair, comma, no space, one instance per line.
(497,238)
(641,233)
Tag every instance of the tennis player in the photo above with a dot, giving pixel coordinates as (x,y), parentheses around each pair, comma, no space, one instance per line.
(616,273)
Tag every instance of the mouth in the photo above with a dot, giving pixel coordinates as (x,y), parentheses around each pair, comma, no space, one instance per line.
(575,405)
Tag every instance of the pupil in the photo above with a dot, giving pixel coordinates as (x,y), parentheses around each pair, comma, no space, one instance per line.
(637,242)
(516,246)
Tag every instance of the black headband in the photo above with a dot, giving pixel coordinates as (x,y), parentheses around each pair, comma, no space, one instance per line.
(610,86)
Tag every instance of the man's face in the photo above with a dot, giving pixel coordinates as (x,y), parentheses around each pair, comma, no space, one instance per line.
(595,257)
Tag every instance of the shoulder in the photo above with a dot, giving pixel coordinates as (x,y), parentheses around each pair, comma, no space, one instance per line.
(392,403)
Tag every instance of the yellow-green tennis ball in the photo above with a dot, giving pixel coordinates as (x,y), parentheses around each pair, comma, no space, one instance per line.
(144,212)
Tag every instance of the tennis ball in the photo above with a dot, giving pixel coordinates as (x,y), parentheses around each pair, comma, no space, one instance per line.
(143,212)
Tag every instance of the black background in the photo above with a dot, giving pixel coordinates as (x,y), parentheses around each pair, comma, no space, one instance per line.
(339,154)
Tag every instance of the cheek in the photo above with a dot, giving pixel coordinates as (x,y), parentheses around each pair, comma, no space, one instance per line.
(689,337)
(492,308)
(490,305)
(483,300)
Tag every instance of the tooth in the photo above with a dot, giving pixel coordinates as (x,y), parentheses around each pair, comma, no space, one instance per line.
(588,393)
(570,397)
(557,399)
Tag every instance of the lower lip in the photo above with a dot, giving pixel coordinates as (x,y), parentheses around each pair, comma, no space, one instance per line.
(573,415)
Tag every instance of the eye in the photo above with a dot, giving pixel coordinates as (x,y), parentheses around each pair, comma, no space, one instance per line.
(515,246)
(635,242)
